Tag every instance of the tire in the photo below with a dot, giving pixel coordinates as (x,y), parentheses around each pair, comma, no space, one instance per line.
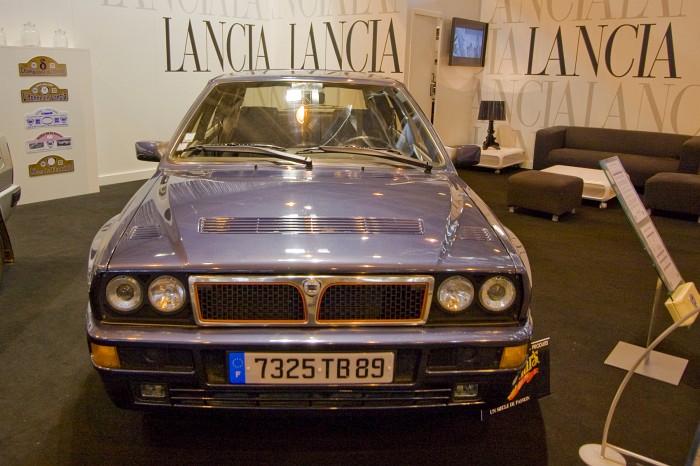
(2,259)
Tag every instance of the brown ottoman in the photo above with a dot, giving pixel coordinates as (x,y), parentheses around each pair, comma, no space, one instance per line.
(673,192)
(545,192)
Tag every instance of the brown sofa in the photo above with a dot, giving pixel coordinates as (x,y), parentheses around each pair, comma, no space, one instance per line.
(673,192)
(643,154)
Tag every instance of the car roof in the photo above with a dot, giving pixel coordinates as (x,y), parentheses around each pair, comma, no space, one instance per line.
(321,75)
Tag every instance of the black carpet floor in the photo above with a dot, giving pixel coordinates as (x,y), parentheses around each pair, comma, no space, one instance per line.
(593,286)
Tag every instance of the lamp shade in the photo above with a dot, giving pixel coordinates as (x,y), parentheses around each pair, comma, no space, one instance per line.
(492,110)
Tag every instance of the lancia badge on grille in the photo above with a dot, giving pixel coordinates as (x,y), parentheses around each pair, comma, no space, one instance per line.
(311,286)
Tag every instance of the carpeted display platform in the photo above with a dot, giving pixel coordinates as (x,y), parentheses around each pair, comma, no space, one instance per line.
(593,287)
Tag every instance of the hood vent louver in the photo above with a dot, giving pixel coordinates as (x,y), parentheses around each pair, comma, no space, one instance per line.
(475,234)
(144,232)
(312,225)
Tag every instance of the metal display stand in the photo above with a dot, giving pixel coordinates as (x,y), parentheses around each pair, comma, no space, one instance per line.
(644,361)
(605,454)
(659,366)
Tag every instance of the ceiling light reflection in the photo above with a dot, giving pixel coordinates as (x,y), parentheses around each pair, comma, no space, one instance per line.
(301,114)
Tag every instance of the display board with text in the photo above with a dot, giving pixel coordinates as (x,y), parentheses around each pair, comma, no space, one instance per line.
(48,119)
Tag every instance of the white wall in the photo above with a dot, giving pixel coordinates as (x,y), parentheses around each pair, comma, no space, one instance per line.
(137,95)
(456,85)
(138,48)
(642,71)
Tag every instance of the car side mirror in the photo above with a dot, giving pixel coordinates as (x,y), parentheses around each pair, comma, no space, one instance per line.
(148,151)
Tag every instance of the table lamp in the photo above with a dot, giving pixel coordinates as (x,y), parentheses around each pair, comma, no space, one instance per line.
(491,110)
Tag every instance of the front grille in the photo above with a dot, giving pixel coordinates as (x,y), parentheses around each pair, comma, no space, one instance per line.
(304,399)
(318,300)
(348,302)
(240,302)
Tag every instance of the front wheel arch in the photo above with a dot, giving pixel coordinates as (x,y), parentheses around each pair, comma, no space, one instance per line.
(7,254)
(2,262)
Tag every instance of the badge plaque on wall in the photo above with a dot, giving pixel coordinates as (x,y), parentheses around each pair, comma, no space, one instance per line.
(49,140)
(42,66)
(46,117)
(44,92)
(51,165)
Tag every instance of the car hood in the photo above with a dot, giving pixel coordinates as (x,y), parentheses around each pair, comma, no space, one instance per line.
(296,220)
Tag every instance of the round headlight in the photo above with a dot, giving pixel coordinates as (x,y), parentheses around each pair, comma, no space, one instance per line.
(166,294)
(456,294)
(124,294)
(497,294)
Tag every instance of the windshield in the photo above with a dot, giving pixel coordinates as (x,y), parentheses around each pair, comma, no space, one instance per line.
(293,116)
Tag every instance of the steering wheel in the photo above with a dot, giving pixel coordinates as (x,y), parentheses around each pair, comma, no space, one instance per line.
(334,129)
(368,141)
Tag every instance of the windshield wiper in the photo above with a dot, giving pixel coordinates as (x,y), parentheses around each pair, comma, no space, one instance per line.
(264,146)
(387,154)
(260,149)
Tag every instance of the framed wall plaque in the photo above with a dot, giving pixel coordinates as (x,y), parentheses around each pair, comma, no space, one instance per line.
(42,66)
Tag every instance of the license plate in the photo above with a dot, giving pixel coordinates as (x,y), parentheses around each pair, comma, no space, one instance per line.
(310,368)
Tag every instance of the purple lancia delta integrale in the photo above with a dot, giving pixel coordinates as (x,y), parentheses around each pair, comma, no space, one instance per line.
(306,243)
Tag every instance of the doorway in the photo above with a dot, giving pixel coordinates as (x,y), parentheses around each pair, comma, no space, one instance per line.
(423,57)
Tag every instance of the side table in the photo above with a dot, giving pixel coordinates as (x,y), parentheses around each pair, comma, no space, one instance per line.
(596,186)
(501,158)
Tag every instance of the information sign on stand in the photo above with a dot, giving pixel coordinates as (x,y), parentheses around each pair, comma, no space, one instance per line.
(682,304)
(658,365)
(641,222)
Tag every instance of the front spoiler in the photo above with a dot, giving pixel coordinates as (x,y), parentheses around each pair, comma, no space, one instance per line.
(204,385)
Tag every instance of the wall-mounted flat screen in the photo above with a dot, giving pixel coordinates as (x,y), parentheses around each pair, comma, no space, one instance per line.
(468,42)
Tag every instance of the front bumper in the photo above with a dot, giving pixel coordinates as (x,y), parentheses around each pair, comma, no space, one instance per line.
(187,367)
(8,200)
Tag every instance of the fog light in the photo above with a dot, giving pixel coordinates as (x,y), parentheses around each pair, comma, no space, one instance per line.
(155,356)
(465,391)
(154,390)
